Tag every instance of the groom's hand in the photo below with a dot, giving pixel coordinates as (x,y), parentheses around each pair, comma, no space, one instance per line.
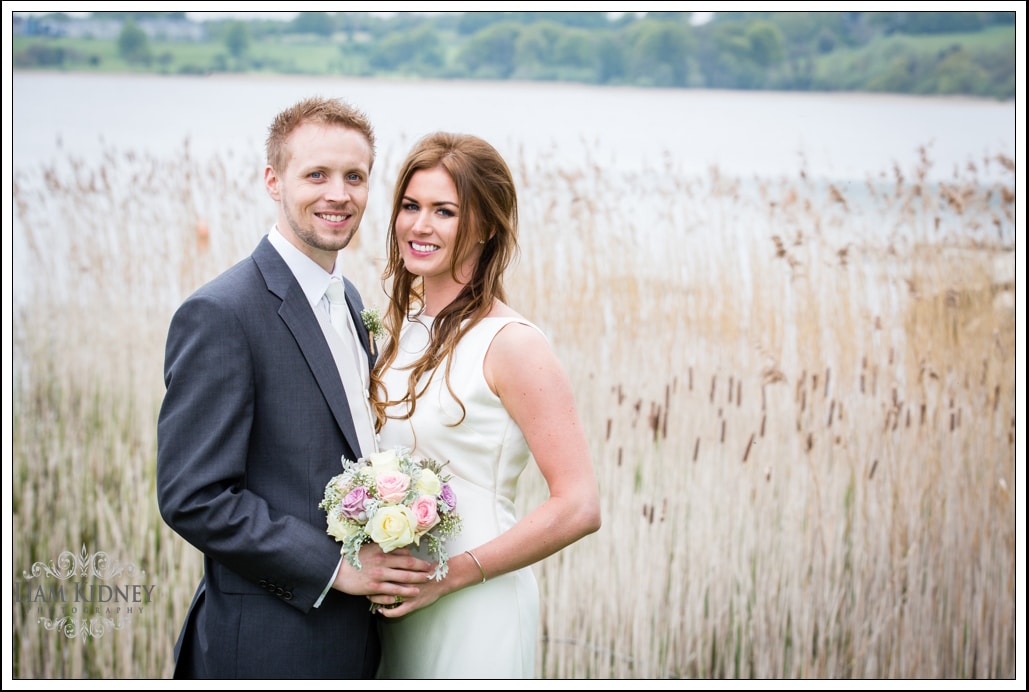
(385,575)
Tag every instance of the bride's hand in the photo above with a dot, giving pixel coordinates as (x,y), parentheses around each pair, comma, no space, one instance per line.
(398,606)
(464,571)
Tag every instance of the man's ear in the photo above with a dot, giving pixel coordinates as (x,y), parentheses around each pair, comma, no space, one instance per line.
(271,182)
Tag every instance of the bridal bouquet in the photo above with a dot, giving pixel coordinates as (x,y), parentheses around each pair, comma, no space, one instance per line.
(395,500)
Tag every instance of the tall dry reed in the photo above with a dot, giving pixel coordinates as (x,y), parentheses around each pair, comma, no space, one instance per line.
(799,396)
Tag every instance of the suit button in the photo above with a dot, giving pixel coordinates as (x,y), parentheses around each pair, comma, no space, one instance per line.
(288,595)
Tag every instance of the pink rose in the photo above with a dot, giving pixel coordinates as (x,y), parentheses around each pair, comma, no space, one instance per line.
(424,509)
(392,485)
(353,504)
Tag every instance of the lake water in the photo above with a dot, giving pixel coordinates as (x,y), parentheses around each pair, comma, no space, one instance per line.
(764,134)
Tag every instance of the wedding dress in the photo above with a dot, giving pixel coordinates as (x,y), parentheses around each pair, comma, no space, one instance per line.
(485,631)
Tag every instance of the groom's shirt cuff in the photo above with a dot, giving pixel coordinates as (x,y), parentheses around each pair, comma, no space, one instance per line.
(329,585)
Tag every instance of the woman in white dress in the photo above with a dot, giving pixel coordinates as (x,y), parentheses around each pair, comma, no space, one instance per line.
(465,379)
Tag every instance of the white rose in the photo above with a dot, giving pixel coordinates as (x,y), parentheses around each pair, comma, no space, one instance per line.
(428,483)
(392,527)
(339,528)
(384,461)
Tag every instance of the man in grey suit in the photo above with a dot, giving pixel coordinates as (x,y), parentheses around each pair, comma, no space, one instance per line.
(263,398)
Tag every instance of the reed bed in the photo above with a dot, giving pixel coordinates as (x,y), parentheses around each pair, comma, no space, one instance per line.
(799,395)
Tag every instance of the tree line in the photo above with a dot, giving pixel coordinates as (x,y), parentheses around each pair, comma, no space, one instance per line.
(966,53)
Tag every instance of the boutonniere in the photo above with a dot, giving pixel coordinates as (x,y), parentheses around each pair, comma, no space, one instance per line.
(373,323)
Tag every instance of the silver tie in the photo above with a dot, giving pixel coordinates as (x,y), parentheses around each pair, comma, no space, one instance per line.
(337,296)
(356,369)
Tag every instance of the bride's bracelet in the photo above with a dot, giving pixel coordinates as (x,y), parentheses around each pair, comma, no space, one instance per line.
(477,564)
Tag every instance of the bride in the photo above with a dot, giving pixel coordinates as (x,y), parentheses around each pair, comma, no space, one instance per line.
(466,379)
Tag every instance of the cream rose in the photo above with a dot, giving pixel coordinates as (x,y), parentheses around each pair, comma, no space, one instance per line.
(428,483)
(339,528)
(384,461)
(392,527)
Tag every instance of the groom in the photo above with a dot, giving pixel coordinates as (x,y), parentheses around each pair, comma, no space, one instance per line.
(255,420)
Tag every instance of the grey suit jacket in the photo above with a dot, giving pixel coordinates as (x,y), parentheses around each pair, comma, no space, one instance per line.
(253,424)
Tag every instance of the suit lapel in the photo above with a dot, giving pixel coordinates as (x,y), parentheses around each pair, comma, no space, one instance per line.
(296,313)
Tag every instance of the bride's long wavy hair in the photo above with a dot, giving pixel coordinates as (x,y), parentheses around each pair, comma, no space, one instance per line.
(488,219)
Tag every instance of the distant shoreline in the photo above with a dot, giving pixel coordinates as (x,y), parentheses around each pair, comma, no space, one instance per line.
(555,86)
